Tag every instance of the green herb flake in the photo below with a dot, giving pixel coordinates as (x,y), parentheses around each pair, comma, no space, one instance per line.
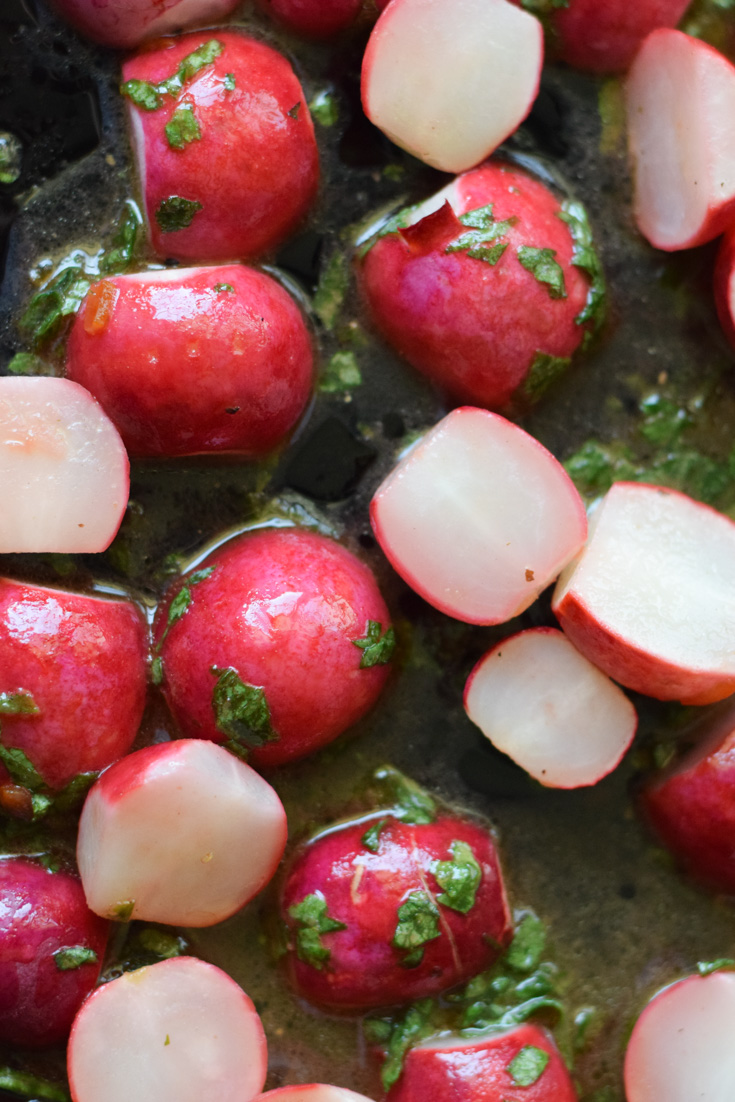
(313,921)
(527,947)
(176,213)
(183,599)
(21,769)
(528,1066)
(47,310)
(411,802)
(167,1041)
(663,420)
(377,646)
(544,7)
(399,1035)
(707,967)
(72,794)
(122,254)
(330,294)
(342,372)
(183,127)
(41,804)
(26,363)
(157,670)
(18,704)
(160,943)
(241,711)
(325,108)
(49,862)
(418,923)
(585,257)
(31,1086)
(294,112)
(544,269)
(122,912)
(11,152)
(222,288)
(371,837)
(481,241)
(459,878)
(194,62)
(143,94)
(544,371)
(229,82)
(74,957)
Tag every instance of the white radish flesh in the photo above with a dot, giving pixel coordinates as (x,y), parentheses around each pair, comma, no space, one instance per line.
(537,699)
(449,80)
(479,518)
(180,1029)
(63,468)
(182,833)
(311,1092)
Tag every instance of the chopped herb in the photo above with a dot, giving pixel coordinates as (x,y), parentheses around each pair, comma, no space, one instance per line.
(585,257)
(330,294)
(527,947)
(21,769)
(229,82)
(481,240)
(205,55)
(122,912)
(40,803)
(294,112)
(74,957)
(157,670)
(167,1041)
(25,363)
(377,646)
(460,878)
(121,255)
(412,803)
(706,967)
(544,7)
(160,943)
(176,213)
(18,704)
(663,420)
(418,923)
(544,371)
(584,1019)
(528,1066)
(143,94)
(31,1086)
(10,158)
(371,837)
(49,862)
(47,310)
(72,794)
(342,372)
(220,288)
(325,108)
(181,602)
(183,127)
(542,266)
(241,711)
(399,1035)
(314,920)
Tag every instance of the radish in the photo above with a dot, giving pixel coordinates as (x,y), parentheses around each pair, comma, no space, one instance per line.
(556,715)
(451,111)
(517,1065)
(681,99)
(194,360)
(180,832)
(312,1092)
(489,287)
(177,1029)
(63,468)
(51,950)
(478,517)
(276,644)
(681,1046)
(76,666)
(314,18)
(724,286)
(648,600)
(126,23)
(224,145)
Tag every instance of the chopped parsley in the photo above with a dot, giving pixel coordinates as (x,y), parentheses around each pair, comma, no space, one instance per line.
(160,943)
(183,127)
(371,837)
(377,646)
(325,108)
(18,704)
(31,1086)
(74,957)
(176,213)
(27,363)
(121,255)
(411,803)
(527,947)
(47,310)
(585,257)
(481,241)
(544,371)
(398,1035)
(330,294)
(313,921)
(459,878)
(221,288)
(341,373)
(241,712)
(182,601)
(149,97)
(229,82)
(418,923)
(528,1066)
(143,94)
(21,769)
(544,268)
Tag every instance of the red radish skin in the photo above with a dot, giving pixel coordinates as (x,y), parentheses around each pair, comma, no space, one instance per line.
(42,913)
(724,286)
(127,23)
(537,699)
(479,330)
(283,608)
(63,468)
(84,661)
(364,890)
(194,360)
(478,518)
(255,167)
(680,100)
(681,1046)
(456,1069)
(314,18)
(179,832)
(647,601)
(178,1029)
(311,1092)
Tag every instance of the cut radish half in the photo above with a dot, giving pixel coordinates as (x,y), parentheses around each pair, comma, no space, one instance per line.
(312,1092)
(180,1029)
(681,102)
(681,1047)
(449,80)
(181,832)
(651,600)
(478,518)
(536,698)
(63,468)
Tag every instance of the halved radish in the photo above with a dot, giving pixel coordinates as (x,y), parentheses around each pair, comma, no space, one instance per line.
(312,1092)
(536,698)
(449,80)
(478,518)
(681,102)
(181,832)
(651,599)
(180,1029)
(681,1047)
(63,468)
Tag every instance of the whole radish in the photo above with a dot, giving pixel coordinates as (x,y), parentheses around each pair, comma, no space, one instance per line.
(127,23)
(314,18)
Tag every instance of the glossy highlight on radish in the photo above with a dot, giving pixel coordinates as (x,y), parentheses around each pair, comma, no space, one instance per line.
(126,23)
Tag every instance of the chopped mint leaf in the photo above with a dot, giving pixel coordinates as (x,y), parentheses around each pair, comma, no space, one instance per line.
(314,921)
(528,1066)
(229,82)
(18,704)
(31,1086)
(176,213)
(330,294)
(122,911)
(481,240)
(294,112)
(241,710)
(399,1035)
(161,943)
(585,257)
(706,967)
(74,957)
(21,769)
(47,310)
(221,288)
(544,371)
(25,363)
(418,923)
(377,646)
(341,373)
(527,947)
(325,108)
(460,878)
(183,127)
(542,266)
(10,158)
(121,255)
(371,837)
(143,94)
(157,670)
(412,803)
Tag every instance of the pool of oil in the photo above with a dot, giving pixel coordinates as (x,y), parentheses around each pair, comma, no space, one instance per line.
(621,920)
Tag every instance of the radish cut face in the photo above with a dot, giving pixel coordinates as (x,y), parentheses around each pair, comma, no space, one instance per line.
(63,468)
(479,518)
(181,832)
(311,1092)
(180,1029)
(451,106)
(681,102)
(681,1046)
(537,699)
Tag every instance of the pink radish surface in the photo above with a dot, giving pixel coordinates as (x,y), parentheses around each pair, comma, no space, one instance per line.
(179,832)
(536,698)
(681,100)
(194,360)
(486,1068)
(451,106)
(126,23)
(180,1029)
(648,600)
(43,916)
(84,661)
(681,1046)
(478,517)
(724,286)
(63,468)
(314,18)
(312,1092)
(253,170)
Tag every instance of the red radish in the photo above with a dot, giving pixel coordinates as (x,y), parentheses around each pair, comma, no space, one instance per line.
(83,661)
(180,832)
(724,285)
(194,360)
(451,111)
(536,698)
(126,23)
(312,1092)
(373,917)
(314,18)
(648,600)
(51,950)
(518,1065)
(491,307)
(224,145)
(285,643)
(178,1029)
(681,1046)
(681,100)
(63,468)
(478,517)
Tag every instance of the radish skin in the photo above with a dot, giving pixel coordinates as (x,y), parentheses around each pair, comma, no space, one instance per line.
(311,1092)
(127,23)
